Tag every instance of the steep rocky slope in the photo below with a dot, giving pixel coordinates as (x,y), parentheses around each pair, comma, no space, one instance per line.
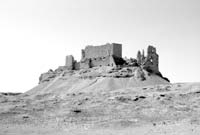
(94,80)
(102,100)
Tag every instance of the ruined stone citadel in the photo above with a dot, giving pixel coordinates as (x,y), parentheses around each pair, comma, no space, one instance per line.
(111,55)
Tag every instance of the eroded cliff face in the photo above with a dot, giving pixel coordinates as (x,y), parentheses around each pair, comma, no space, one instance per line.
(136,72)
(96,80)
(106,71)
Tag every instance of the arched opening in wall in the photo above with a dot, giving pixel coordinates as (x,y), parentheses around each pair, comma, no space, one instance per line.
(108,64)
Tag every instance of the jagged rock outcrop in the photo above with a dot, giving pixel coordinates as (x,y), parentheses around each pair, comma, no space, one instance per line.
(131,62)
(139,74)
(47,76)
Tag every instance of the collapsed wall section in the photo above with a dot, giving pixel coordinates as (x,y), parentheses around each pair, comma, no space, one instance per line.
(149,62)
(152,60)
(98,62)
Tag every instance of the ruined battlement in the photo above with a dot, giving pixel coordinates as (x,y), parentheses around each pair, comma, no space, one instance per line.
(91,52)
(110,54)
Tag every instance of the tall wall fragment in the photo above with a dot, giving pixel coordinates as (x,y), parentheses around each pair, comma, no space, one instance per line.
(69,62)
(151,60)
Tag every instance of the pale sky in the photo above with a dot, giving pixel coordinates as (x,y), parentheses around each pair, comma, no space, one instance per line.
(36,35)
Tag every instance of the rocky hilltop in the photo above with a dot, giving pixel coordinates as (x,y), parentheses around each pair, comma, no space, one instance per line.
(103,94)
(103,66)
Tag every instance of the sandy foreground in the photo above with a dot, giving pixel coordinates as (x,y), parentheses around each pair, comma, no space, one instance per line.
(179,128)
(168,109)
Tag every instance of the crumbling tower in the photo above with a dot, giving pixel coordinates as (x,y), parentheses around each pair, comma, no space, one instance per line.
(69,62)
(151,61)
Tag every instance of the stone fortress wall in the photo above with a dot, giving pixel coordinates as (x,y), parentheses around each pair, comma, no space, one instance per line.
(102,51)
(111,55)
(104,55)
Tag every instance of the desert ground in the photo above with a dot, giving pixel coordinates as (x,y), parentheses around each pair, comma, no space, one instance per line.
(162,109)
(66,105)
